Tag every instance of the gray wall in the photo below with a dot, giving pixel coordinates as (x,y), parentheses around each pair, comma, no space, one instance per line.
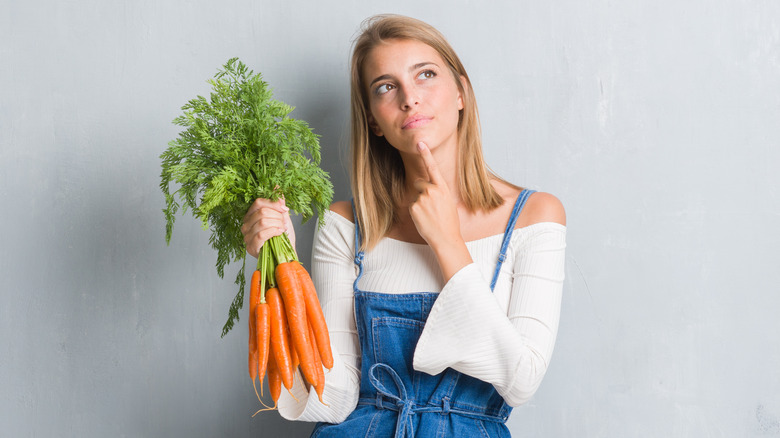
(656,122)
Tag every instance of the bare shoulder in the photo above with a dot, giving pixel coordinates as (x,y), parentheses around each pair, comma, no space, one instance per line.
(543,207)
(540,206)
(343,209)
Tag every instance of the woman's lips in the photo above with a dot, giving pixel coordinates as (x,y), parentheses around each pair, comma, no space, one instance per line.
(415,121)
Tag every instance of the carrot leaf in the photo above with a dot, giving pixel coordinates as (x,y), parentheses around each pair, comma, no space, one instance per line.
(237,145)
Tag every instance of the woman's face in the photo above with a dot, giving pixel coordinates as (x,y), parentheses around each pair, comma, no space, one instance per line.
(412,95)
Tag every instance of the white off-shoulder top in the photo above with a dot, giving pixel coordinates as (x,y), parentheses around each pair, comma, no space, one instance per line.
(504,337)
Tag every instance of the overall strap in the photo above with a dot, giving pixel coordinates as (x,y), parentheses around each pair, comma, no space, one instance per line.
(358,253)
(521,198)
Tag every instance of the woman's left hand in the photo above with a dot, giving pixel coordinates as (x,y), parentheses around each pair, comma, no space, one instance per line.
(435,214)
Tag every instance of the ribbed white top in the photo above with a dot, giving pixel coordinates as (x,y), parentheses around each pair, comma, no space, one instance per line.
(504,337)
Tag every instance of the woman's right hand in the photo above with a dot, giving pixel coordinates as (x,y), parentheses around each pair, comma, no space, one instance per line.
(263,220)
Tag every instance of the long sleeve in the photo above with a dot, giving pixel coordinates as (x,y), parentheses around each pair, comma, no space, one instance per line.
(333,273)
(507,343)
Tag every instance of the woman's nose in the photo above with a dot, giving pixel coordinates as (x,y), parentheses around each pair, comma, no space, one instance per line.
(409,98)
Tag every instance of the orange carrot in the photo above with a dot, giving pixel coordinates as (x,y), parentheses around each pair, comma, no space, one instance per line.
(280,342)
(253,364)
(254,294)
(315,316)
(294,304)
(263,329)
(320,385)
(274,380)
(294,357)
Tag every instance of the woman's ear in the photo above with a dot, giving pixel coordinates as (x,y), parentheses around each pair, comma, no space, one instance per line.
(464,87)
(373,125)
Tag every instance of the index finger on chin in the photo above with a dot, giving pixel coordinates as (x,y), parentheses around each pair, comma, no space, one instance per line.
(430,163)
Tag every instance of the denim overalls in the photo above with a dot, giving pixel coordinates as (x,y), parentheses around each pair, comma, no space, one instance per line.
(397,401)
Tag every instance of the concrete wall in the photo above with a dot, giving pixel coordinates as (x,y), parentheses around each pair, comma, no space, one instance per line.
(656,122)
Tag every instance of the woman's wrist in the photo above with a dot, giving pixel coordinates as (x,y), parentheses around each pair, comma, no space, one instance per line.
(453,255)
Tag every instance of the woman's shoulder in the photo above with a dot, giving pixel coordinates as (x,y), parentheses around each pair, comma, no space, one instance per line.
(543,207)
(539,207)
(343,209)
(336,236)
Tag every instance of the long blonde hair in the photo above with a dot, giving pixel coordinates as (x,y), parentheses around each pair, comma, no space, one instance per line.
(377,170)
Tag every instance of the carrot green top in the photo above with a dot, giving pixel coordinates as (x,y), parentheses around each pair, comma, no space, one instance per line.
(238,145)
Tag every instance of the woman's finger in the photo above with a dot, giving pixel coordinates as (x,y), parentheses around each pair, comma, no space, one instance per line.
(256,234)
(430,165)
(259,203)
(257,240)
(421,185)
(263,220)
(263,216)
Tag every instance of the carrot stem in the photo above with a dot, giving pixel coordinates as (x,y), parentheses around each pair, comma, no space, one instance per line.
(282,249)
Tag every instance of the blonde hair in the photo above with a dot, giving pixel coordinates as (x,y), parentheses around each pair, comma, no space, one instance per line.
(377,170)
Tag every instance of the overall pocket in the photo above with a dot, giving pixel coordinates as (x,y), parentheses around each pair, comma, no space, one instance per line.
(395,340)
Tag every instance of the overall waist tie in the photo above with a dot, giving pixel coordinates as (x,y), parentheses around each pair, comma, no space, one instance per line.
(405,406)
(399,401)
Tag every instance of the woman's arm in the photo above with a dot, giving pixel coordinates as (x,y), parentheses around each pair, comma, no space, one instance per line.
(435,216)
(469,331)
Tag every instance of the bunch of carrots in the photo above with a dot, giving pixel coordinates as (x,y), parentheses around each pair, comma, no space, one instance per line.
(287,328)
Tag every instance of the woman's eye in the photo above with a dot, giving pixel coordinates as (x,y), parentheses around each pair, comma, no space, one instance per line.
(426,74)
(382,89)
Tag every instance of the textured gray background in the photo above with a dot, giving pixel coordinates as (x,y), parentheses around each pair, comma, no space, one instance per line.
(656,122)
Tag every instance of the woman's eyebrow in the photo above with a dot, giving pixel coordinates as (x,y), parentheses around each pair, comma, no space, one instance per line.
(379,78)
(412,68)
(421,65)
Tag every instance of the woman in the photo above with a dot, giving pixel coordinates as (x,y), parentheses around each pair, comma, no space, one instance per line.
(441,283)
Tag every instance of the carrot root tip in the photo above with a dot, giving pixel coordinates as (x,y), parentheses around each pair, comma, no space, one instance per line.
(272,408)
(254,385)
